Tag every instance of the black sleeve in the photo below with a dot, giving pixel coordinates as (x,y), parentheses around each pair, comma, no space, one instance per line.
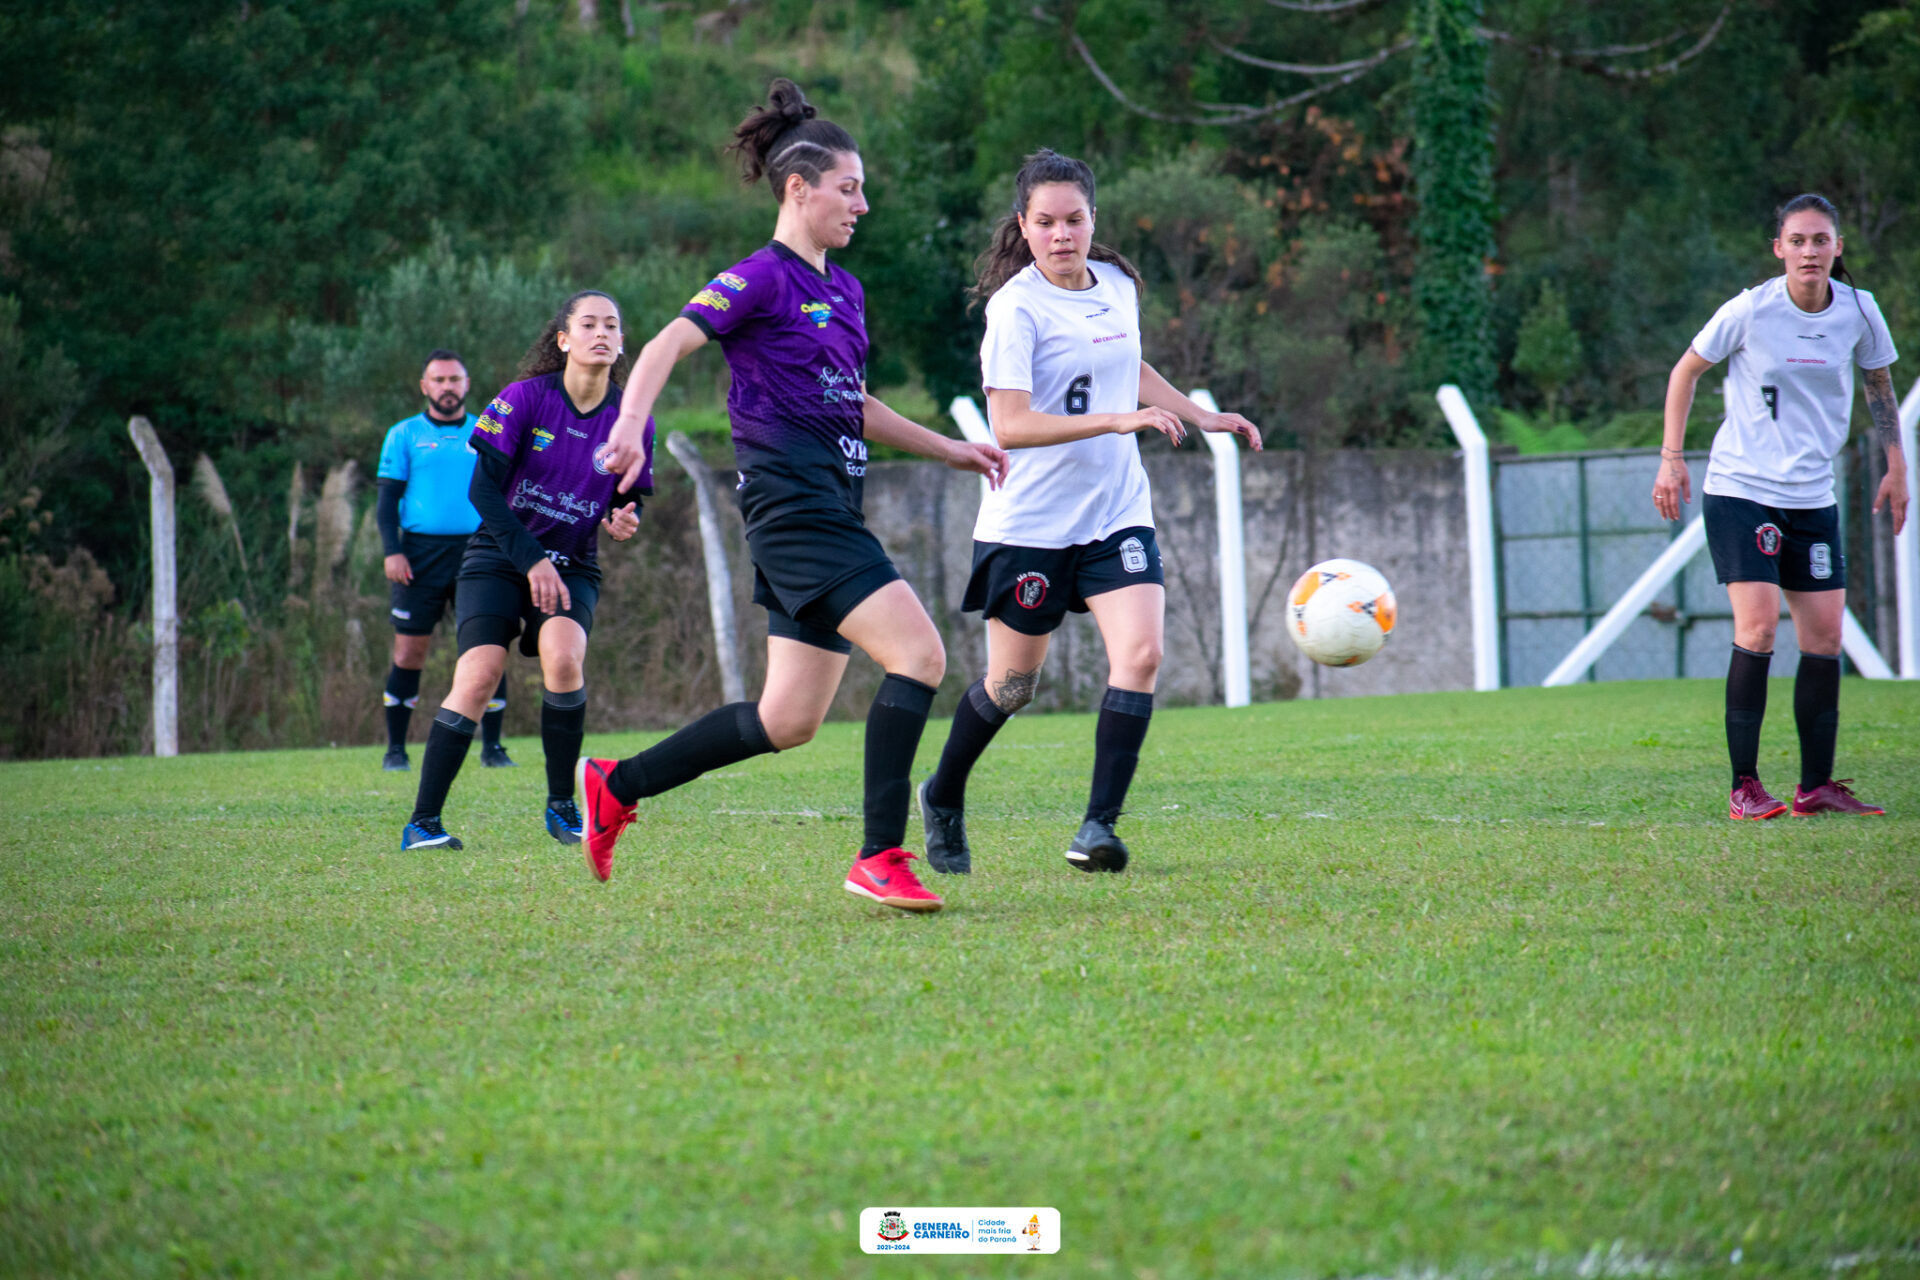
(386,513)
(489,498)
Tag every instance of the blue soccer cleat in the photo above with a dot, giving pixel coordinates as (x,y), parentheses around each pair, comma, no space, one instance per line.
(563,821)
(427,833)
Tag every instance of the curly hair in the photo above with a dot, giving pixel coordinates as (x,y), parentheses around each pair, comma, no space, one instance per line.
(545,355)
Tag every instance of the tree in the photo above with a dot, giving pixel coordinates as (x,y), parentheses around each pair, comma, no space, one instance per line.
(1549,350)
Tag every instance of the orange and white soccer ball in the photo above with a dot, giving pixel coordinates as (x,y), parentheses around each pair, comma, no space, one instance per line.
(1340,612)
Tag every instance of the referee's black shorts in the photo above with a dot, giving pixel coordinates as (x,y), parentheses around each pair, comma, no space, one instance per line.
(415,607)
(811,569)
(496,602)
(1032,589)
(1796,548)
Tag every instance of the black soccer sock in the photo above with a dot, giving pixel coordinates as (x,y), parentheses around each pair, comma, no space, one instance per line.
(563,723)
(975,722)
(1746,708)
(496,712)
(723,736)
(1816,713)
(1124,716)
(895,722)
(401,697)
(447,744)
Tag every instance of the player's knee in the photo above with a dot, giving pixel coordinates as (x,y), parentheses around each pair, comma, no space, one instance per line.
(1138,663)
(925,662)
(1756,636)
(477,674)
(561,672)
(1009,696)
(787,732)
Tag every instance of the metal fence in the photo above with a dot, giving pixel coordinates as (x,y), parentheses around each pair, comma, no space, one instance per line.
(1574,530)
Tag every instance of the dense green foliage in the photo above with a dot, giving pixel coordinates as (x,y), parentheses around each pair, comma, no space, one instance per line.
(1453,185)
(249,220)
(1455,985)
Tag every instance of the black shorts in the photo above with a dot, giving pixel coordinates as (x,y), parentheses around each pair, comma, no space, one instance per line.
(415,607)
(1031,589)
(811,570)
(496,603)
(1795,548)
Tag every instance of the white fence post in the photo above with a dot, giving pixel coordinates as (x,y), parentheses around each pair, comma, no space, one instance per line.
(166,621)
(1906,545)
(726,633)
(1235,675)
(1484,590)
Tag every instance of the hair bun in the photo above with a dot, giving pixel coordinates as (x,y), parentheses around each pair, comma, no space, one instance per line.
(785,97)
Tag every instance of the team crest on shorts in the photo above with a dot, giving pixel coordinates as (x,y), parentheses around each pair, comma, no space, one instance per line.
(1133,556)
(1767,538)
(1820,560)
(1029,589)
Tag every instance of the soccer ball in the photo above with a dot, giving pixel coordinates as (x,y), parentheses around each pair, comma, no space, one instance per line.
(1340,612)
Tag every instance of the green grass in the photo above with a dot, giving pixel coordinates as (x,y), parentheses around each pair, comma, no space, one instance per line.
(1479,983)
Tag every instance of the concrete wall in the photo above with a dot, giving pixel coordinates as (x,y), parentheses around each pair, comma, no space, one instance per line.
(1402,512)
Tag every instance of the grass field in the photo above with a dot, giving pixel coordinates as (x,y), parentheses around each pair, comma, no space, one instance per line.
(1445,985)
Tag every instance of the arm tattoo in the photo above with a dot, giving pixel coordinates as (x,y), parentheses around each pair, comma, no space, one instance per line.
(1884,408)
(1016,690)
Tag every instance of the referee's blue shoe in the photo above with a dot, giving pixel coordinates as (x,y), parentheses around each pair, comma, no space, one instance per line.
(946,831)
(563,821)
(427,833)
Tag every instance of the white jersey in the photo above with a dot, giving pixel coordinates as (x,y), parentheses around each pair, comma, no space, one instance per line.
(1075,352)
(1789,390)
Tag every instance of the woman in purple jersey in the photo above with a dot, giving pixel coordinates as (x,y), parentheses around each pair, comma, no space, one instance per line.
(544,489)
(1773,526)
(793,328)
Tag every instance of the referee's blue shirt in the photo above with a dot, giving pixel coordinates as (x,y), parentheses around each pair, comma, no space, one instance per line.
(436,462)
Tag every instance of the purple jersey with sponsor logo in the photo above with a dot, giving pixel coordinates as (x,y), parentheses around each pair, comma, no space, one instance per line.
(559,486)
(796,342)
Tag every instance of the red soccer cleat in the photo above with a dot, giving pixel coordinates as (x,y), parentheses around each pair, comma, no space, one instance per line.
(1750,800)
(605,816)
(888,880)
(1832,796)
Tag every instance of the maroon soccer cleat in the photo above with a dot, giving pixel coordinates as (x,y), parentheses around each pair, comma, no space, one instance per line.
(605,816)
(1750,800)
(888,880)
(1832,796)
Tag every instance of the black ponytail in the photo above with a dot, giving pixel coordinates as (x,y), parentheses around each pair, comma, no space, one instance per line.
(786,137)
(1007,254)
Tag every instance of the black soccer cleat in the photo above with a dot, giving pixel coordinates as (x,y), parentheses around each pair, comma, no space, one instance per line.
(1096,848)
(946,832)
(395,761)
(427,833)
(496,757)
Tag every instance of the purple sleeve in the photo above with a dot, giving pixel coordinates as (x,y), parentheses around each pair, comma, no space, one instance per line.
(496,428)
(733,297)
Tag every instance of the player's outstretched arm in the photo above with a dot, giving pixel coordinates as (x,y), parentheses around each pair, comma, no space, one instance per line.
(1161,394)
(1018,425)
(1673,486)
(884,426)
(626,443)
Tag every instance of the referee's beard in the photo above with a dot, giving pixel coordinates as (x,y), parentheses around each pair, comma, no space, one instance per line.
(449,406)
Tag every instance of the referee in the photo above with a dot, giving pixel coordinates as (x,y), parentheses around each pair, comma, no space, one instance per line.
(426,467)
